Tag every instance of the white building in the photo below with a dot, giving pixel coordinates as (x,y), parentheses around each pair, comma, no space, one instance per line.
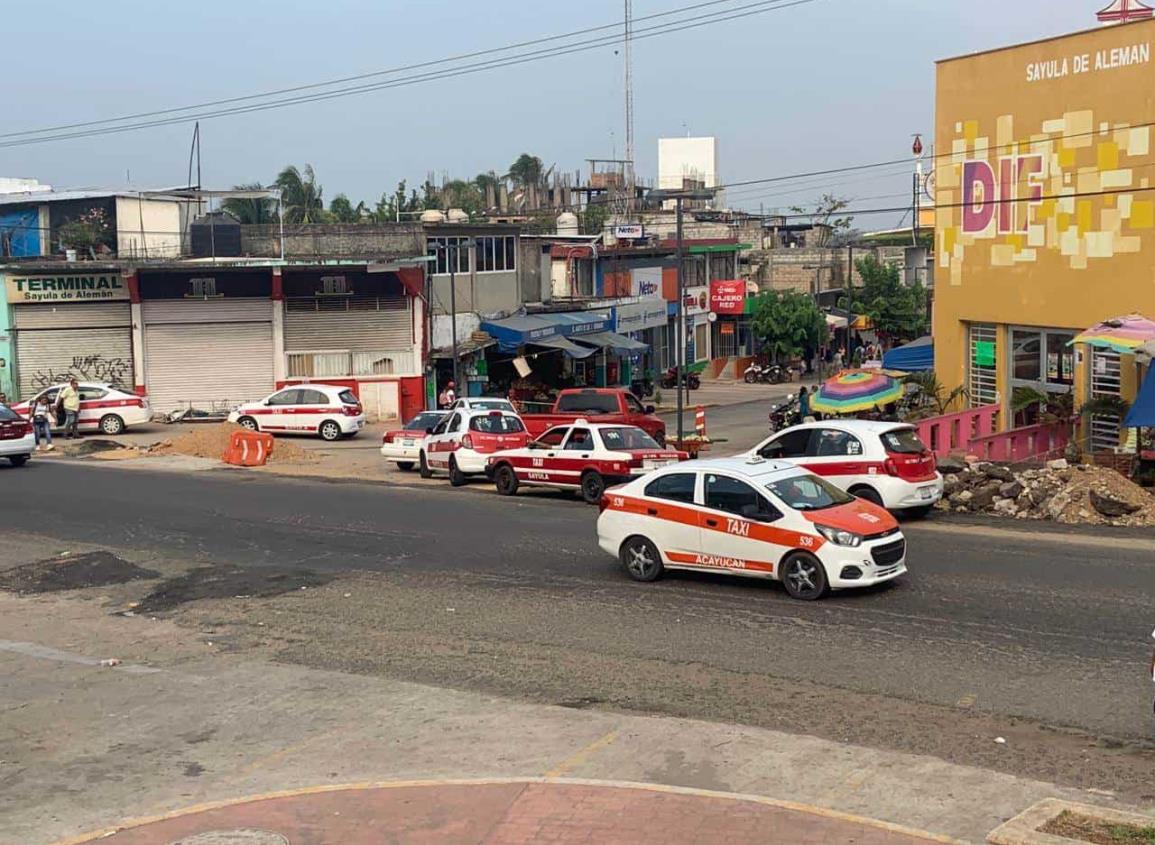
(689,159)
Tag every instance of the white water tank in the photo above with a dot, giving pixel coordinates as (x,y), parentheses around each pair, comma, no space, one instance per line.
(432,216)
(456,215)
(567,223)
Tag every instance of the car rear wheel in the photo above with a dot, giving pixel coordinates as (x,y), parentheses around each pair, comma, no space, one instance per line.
(593,485)
(18,460)
(804,577)
(248,422)
(456,476)
(641,559)
(111,424)
(330,431)
(505,480)
(423,467)
(868,494)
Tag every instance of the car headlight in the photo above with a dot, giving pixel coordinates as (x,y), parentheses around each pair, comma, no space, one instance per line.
(839,537)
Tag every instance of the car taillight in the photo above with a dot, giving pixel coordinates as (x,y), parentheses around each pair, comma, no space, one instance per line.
(890,466)
(467,442)
(351,410)
(387,437)
(604,501)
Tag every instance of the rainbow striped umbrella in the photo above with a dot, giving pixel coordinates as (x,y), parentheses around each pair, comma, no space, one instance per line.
(856,390)
(1123,334)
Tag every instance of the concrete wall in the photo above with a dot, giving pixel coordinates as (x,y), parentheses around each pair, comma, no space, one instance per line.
(148,228)
(483,293)
(442,334)
(394,240)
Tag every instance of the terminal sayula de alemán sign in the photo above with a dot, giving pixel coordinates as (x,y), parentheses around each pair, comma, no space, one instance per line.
(80,287)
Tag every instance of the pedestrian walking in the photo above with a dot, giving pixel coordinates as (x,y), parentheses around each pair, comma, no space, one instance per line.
(839,357)
(447,397)
(41,412)
(803,404)
(70,401)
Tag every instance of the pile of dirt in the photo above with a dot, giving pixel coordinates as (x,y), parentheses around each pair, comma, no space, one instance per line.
(1077,495)
(73,572)
(211,441)
(227,582)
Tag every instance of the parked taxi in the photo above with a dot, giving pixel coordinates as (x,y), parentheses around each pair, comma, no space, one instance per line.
(16,439)
(326,410)
(883,462)
(403,446)
(103,407)
(482,403)
(583,456)
(751,517)
(460,445)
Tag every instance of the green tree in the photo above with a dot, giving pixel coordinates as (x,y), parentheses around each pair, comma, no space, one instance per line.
(527,170)
(251,211)
(826,214)
(301,196)
(593,218)
(486,183)
(897,310)
(341,210)
(789,324)
(457,193)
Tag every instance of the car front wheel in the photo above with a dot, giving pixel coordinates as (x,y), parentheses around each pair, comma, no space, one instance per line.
(330,431)
(804,577)
(111,424)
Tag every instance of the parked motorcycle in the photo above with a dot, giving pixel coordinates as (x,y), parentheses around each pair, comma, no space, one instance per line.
(758,373)
(642,388)
(785,414)
(669,379)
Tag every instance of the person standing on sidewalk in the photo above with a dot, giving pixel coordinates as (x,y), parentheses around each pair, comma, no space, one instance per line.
(70,401)
(41,413)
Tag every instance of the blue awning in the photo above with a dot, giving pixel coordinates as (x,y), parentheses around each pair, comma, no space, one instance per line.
(513,332)
(613,340)
(1142,413)
(570,348)
(915,357)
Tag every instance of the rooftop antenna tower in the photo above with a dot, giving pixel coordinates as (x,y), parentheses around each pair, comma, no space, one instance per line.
(628,49)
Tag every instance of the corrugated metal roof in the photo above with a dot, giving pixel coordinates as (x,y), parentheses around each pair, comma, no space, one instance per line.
(37,197)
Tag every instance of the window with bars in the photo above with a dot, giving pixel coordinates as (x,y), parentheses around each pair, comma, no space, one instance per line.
(982,371)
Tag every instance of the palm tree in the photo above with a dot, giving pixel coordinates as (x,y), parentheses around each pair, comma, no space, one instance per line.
(251,211)
(489,186)
(527,170)
(301,196)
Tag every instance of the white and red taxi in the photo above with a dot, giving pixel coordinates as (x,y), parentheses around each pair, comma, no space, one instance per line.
(403,446)
(583,456)
(461,444)
(326,410)
(751,517)
(103,407)
(16,439)
(882,462)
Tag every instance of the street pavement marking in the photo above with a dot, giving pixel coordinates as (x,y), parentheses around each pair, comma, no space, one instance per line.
(967,701)
(43,652)
(579,757)
(413,784)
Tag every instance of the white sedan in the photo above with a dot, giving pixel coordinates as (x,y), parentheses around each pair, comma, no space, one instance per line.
(103,407)
(403,446)
(16,440)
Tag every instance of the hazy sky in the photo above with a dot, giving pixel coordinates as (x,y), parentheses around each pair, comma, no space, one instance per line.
(829,83)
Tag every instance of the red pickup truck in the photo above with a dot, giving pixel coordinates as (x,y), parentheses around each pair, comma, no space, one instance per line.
(600,405)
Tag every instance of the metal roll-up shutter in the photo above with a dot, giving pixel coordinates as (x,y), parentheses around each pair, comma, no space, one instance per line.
(361,324)
(209,355)
(88,341)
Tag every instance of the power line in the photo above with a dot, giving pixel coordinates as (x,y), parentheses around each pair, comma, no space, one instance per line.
(761,7)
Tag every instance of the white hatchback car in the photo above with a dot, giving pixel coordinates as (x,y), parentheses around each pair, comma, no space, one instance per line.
(462,442)
(327,410)
(103,407)
(16,440)
(751,517)
(882,462)
(403,445)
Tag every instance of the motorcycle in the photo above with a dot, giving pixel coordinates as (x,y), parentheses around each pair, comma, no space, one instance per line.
(670,377)
(765,374)
(642,388)
(785,414)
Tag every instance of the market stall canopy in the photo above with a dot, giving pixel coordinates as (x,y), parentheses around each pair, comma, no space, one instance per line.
(915,357)
(1122,334)
(855,390)
(613,340)
(512,332)
(1142,413)
(567,346)
(836,322)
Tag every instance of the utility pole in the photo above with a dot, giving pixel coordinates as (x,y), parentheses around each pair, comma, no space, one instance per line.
(916,148)
(628,54)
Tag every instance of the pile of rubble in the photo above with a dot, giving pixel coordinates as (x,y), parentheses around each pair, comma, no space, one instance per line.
(1059,491)
(210,441)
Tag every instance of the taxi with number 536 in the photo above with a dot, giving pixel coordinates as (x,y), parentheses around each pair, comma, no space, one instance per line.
(751,517)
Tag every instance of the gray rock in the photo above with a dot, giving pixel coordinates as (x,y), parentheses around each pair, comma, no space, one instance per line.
(999,473)
(1111,506)
(950,466)
(984,496)
(1011,489)
(1058,463)
(1005,507)
(1057,504)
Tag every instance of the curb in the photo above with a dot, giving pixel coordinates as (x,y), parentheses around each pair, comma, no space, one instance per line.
(1023,829)
(810,809)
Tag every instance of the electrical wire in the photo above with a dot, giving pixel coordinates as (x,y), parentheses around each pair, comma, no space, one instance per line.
(756,8)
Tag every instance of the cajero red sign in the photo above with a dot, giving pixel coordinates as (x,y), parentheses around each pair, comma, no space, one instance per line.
(728,296)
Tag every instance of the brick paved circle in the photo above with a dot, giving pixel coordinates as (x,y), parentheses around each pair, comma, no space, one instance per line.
(508,812)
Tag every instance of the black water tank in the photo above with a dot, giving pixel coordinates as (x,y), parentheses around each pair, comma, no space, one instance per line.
(215,234)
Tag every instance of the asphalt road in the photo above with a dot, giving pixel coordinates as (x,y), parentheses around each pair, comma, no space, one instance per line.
(1040,637)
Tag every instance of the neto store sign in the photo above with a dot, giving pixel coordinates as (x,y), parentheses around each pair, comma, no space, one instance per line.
(66,288)
(728,296)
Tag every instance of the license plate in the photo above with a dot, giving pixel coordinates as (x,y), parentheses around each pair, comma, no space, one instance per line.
(408,443)
(654,464)
(926,492)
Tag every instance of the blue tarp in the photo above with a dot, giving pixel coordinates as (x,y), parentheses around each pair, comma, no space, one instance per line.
(917,356)
(513,332)
(1142,413)
(20,233)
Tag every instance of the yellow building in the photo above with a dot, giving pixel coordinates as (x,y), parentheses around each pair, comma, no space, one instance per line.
(1045,193)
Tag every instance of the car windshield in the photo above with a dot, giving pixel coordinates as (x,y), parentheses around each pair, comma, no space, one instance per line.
(627,437)
(808,493)
(423,421)
(589,403)
(903,441)
(496,424)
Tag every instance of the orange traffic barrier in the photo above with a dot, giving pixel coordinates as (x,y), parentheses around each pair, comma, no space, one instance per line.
(700,421)
(248,449)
